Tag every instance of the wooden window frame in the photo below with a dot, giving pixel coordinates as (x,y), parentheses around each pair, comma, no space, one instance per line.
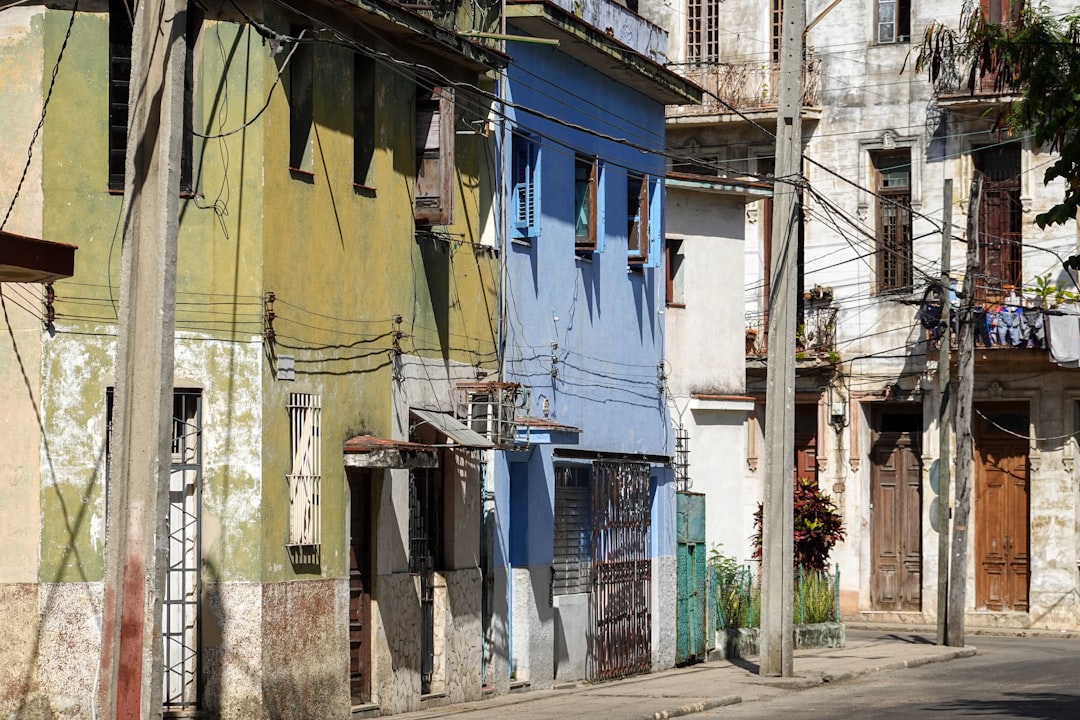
(121,32)
(703,31)
(893,224)
(643,222)
(1000,251)
(120,47)
(434,155)
(586,197)
(674,272)
(776,33)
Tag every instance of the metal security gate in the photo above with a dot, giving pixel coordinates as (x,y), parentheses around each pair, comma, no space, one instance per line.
(180,606)
(620,612)
(425,533)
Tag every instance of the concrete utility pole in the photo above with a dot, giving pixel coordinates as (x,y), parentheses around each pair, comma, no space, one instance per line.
(778,523)
(136,541)
(944,417)
(964,442)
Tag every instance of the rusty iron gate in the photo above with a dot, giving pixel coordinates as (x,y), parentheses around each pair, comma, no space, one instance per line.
(620,609)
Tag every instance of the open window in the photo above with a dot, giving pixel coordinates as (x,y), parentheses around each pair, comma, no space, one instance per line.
(893,21)
(675,273)
(363,119)
(301,103)
(434,156)
(642,220)
(586,184)
(525,171)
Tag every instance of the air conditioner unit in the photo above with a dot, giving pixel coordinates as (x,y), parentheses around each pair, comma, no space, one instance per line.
(489,409)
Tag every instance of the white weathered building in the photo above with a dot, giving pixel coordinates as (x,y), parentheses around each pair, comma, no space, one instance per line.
(879,141)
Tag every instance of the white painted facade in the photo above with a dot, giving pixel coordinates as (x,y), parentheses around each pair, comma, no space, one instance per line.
(867,102)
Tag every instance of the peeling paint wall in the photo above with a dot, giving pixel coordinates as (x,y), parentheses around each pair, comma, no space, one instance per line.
(343,264)
(871,101)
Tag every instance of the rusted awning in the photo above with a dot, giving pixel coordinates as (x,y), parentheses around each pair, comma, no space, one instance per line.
(29,260)
(369,451)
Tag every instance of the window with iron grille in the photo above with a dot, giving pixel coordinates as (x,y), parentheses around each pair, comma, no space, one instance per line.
(892,173)
(1000,222)
(573,530)
(305,476)
(682,458)
(703,31)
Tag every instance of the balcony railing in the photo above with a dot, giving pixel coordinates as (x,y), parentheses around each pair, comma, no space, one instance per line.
(745,86)
(955,85)
(815,336)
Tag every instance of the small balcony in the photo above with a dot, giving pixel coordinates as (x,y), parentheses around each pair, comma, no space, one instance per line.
(955,89)
(752,88)
(815,336)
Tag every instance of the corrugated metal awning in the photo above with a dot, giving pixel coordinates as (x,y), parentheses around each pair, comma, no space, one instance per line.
(454,429)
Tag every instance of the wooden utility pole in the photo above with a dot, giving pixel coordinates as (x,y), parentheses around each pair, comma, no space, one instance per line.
(944,417)
(136,522)
(778,523)
(964,442)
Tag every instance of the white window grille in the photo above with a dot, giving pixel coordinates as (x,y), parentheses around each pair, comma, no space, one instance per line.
(305,477)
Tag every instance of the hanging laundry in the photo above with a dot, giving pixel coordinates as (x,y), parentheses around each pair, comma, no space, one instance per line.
(1063,335)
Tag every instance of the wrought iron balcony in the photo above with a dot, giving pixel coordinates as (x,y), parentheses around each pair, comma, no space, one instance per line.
(815,336)
(749,87)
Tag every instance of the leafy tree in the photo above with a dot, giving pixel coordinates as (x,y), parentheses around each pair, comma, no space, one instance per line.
(818,526)
(1034,55)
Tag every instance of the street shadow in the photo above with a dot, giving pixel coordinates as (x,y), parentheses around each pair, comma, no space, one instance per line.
(911,639)
(1044,706)
(745,664)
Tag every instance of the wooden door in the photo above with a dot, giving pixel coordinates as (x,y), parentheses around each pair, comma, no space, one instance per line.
(805,456)
(360,523)
(1001,518)
(896,524)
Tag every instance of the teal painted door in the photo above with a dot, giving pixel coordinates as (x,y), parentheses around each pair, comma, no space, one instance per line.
(690,613)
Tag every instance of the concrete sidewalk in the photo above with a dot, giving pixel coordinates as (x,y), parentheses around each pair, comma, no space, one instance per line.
(700,687)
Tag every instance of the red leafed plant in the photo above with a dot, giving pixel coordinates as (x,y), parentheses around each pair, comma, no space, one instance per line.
(818,526)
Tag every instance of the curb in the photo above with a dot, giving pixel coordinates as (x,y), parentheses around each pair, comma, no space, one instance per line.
(693,708)
(901,665)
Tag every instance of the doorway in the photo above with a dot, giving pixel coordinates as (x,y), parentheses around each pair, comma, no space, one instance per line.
(360,586)
(1001,506)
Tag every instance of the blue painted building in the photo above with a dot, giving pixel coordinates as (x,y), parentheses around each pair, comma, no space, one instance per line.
(585,499)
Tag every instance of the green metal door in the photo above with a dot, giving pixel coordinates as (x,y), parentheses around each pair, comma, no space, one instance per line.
(690,614)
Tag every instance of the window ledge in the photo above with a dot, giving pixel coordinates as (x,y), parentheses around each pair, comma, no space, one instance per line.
(363,190)
(302,175)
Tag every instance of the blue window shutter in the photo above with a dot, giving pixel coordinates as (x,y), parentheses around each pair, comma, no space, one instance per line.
(656,221)
(525,206)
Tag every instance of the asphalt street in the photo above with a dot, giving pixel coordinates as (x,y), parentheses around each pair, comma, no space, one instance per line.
(1008,677)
